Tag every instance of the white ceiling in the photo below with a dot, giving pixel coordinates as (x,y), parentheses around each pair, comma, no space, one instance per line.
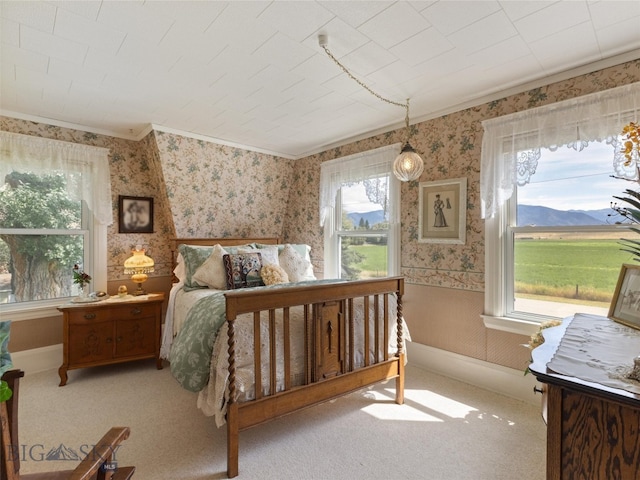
(252,73)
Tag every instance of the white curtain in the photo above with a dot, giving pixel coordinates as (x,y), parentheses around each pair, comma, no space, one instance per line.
(355,168)
(34,154)
(595,117)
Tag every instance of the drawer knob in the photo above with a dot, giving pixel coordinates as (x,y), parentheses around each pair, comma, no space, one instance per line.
(108,340)
(136,311)
(89,316)
(537,390)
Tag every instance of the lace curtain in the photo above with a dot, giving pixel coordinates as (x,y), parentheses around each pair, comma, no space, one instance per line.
(39,155)
(511,143)
(355,168)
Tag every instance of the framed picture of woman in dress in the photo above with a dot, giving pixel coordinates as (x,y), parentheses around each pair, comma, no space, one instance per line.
(135,214)
(443,211)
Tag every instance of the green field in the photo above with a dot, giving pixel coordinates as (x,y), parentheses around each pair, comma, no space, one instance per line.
(560,268)
(375,262)
(572,269)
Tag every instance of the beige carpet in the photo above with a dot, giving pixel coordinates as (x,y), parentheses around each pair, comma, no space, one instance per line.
(446,430)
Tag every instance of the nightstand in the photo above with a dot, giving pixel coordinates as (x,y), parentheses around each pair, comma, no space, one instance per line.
(111,331)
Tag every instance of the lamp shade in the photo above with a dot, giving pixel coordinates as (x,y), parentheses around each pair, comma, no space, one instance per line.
(138,262)
(408,165)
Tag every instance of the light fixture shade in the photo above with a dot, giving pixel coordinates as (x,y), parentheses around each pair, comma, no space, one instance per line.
(408,165)
(138,262)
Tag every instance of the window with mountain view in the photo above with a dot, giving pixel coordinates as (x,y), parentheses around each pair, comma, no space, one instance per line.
(565,235)
(359,210)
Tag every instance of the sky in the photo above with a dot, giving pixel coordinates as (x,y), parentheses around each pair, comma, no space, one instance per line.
(571,180)
(564,180)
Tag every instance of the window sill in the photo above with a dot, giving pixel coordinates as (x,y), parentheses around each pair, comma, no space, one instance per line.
(511,325)
(16,313)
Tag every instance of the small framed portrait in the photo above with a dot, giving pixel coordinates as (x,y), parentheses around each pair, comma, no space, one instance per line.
(135,214)
(443,211)
(625,304)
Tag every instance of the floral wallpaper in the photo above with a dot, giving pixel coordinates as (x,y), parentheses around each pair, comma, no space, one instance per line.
(219,191)
(450,146)
(204,189)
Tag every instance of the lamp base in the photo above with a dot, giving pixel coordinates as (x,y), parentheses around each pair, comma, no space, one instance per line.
(139,291)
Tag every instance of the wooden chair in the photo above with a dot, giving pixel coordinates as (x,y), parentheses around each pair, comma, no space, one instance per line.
(92,467)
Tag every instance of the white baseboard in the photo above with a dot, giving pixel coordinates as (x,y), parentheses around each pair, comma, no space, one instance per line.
(38,359)
(496,378)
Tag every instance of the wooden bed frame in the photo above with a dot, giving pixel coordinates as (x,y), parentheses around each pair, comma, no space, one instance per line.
(329,368)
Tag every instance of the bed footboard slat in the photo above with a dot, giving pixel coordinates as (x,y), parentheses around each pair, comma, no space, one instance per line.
(340,355)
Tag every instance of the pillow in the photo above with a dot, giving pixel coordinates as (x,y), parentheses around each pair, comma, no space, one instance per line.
(269,254)
(194,256)
(297,267)
(243,270)
(180,271)
(212,272)
(272,274)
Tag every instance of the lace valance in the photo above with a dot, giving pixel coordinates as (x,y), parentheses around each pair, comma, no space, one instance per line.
(575,122)
(39,155)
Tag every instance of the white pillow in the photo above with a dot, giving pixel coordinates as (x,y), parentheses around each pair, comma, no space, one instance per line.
(297,268)
(269,255)
(181,270)
(212,273)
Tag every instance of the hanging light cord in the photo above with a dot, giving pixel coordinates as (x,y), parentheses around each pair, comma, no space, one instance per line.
(366,87)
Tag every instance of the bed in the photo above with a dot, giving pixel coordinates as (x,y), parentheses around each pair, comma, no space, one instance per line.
(310,340)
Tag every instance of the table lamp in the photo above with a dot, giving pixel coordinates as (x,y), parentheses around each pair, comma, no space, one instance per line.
(138,265)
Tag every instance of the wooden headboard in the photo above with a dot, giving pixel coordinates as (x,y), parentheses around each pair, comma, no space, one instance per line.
(224,242)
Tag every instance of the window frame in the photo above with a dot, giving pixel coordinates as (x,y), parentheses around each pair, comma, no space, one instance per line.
(96,214)
(331,213)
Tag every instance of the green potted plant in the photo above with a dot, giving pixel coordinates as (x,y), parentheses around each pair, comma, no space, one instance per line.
(5,360)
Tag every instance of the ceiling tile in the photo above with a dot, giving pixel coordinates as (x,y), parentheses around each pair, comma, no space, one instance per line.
(82,30)
(551,20)
(450,17)
(34,14)
(76,73)
(88,9)
(522,8)
(9,33)
(394,25)
(47,44)
(283,52)
(296,23)
(579,45)
(24,58)
(619,37)
(421,47)
(482,34)
(356,13)
(136,19)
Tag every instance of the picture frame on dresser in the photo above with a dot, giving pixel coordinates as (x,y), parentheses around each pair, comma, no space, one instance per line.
(443,211)
(625,304)
(135,214)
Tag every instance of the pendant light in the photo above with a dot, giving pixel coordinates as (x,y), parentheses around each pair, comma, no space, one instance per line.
(408,165)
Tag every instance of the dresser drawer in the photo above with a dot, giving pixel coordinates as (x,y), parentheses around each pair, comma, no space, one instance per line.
(81,316)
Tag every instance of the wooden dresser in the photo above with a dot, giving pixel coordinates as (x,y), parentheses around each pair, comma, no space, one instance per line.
(593,431)
(111,331)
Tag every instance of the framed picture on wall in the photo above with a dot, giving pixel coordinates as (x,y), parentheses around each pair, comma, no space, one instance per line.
(443,211)
(135,214)
(625,305)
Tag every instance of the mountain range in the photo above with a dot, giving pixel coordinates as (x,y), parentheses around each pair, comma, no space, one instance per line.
(537,215)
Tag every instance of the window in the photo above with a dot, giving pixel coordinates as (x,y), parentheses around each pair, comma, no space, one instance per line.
(359,211)
(53,215)
(536,259)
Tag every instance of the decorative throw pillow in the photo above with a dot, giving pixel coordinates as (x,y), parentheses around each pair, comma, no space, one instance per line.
(297,267)
(272,274)
(243,270)
(269,254)
(212,272)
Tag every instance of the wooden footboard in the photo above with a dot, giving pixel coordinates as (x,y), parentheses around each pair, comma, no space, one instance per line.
(331,367)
